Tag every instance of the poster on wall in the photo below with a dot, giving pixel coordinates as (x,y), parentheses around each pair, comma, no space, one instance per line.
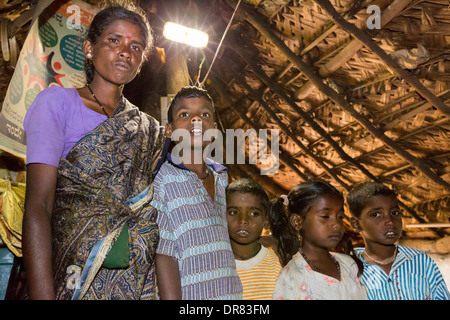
(52,55)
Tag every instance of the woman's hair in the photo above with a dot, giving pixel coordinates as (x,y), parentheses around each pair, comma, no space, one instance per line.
(118,11)
(299,201)
(250,186)
(358,196)
(188,92)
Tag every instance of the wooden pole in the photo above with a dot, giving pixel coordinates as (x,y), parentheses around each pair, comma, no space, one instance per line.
(176,70)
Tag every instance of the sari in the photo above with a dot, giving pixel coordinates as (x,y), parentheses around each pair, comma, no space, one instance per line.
(105,185)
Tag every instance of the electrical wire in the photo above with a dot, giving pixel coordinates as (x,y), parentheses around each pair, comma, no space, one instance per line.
(200,84)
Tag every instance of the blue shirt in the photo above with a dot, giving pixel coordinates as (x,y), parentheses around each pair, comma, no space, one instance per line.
(193,229)
(413,276)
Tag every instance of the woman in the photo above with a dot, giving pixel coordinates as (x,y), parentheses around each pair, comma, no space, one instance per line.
(90,152)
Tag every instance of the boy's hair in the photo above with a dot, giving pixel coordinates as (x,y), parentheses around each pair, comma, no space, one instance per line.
(247,185)
(189,92)
(358,196)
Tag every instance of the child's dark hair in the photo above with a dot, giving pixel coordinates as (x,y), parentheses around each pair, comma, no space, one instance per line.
(188,92)
(128,12)
(247,185)
(300,200)
(358,196)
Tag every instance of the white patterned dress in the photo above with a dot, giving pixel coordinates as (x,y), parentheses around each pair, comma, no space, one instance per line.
(297,281)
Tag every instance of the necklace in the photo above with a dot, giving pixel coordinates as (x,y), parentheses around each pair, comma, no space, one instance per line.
(315,268)
(385,261)
(207,175)
(101,106)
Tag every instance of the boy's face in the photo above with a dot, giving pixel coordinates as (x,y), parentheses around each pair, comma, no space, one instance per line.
(380,221)
(246,217)
(195,115)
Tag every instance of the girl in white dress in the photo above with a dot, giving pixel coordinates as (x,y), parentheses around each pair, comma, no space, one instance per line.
(308,223)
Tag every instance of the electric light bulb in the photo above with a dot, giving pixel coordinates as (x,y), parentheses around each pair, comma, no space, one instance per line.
(179,33)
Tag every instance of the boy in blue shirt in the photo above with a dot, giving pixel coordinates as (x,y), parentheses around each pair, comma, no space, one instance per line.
(391,271)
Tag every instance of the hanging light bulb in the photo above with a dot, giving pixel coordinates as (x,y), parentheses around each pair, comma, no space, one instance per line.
(179,33)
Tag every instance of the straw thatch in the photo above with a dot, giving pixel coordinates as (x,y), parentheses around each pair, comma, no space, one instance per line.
(350,108)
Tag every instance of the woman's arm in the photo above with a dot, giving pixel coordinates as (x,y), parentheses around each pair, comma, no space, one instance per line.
(168,277)
(37,236)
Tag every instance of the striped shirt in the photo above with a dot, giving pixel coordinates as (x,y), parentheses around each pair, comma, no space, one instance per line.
(259,275)
(193,229)
(413,276)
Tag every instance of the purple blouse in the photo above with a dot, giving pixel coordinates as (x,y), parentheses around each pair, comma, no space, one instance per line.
(56,120)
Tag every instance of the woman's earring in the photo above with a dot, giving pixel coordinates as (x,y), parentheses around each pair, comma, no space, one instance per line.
(89,55)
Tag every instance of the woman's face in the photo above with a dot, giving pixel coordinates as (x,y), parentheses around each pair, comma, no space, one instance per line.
(118,53)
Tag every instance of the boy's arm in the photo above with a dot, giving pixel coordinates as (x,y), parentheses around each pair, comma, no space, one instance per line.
(168,277)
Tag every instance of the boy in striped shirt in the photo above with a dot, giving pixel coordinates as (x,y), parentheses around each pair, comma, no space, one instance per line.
(391,272)
(194,258)
(258,267)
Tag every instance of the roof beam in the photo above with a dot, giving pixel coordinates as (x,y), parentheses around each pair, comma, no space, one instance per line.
(367,41)
(254,19)
(351,49)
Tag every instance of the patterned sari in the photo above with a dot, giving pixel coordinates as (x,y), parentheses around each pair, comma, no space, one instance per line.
(105,183)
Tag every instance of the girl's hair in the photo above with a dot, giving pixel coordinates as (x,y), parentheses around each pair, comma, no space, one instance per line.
(358,196)
(118,11)
(188,92)
(300,200)
(246,185)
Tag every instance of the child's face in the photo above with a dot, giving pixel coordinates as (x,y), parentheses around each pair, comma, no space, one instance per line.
(194,115)
(380,220)
(323,226)
(245,216)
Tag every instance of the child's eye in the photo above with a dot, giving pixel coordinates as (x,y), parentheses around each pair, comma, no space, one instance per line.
(255,214)
(183,114)
(206,114)
(232,212)
(113,40)
(396,212)
(375,214)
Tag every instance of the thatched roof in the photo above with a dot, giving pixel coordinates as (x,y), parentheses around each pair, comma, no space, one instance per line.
(348,109)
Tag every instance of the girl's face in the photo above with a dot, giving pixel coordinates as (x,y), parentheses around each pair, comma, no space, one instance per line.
(323,226)
(118,53)
(380,221)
